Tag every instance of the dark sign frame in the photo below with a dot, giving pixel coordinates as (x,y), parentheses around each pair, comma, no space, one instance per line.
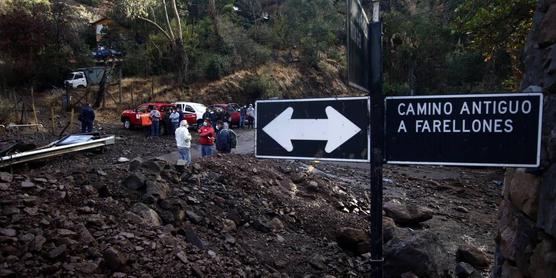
(447,162)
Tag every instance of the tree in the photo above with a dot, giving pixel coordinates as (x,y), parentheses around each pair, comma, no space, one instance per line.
(496,27)
(163,15)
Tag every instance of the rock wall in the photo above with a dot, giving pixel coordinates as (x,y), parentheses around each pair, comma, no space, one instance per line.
(526,240)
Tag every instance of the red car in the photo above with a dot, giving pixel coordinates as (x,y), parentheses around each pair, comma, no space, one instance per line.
(139,117)
(232,108)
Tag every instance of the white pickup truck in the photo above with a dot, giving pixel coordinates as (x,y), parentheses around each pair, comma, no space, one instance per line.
(84,77)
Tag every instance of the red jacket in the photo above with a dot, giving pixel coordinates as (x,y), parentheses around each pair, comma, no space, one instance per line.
(206,135)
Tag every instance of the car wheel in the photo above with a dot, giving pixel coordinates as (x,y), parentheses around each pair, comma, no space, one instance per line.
(127,124)
(80,87)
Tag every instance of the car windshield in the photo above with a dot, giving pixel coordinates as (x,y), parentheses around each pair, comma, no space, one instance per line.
(198,106)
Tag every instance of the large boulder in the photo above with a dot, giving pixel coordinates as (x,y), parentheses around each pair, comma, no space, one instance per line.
(155,191)
(353,240)
(135,181)
(472,255)
(422,254)
(148,215)
(406,214)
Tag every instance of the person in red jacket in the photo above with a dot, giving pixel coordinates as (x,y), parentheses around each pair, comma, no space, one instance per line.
(206,138)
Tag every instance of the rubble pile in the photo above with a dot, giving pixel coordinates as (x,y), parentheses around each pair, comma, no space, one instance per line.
(226,216)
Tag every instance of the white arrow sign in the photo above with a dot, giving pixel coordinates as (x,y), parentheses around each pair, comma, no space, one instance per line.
(336,129)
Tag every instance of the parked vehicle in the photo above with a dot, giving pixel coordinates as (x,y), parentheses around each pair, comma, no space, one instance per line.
(104,53)
(84,77)
(193,112)
(232,108)
(140,117)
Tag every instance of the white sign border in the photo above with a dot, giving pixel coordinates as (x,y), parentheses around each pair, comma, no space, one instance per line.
(368,160)
(539,134)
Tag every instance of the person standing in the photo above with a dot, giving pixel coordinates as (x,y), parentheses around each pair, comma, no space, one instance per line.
(155,119)
(174,120)
(183,141)
(87,117)
(180,113)
(226,139)
(251,116)
(206,138)
(242,116)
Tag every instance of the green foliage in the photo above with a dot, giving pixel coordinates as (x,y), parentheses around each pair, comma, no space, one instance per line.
(497,26)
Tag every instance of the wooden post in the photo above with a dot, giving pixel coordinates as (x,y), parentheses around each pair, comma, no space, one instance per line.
(52,118)
(131,93)
(34,109)
(71,119)
(152,88)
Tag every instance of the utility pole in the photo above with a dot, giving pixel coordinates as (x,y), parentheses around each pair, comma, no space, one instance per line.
(377,138)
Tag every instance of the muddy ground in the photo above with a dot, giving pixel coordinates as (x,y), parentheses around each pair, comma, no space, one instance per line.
(228,216)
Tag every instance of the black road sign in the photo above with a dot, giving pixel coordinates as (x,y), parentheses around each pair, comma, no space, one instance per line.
(323,129)
(465,130)
(357,41)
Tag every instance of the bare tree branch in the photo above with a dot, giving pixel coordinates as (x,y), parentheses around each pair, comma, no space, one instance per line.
(178,18)
(168,20)
(157,26)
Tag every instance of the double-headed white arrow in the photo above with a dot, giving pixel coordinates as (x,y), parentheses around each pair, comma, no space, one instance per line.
(336,129)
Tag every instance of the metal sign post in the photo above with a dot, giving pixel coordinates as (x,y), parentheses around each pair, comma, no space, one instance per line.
(377,140)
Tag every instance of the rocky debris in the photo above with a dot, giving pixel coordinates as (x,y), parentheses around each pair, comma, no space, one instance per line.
(212,218)
(422,254)
(472,255)
(407,214)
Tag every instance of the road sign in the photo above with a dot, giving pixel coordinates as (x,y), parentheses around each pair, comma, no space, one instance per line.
(464,130)
(357,40)
(321,129)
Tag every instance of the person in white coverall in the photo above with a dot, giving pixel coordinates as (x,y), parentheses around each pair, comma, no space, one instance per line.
(183,141)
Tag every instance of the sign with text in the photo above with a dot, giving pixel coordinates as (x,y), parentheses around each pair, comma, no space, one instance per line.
(316,129)
(466,130)
(357,42)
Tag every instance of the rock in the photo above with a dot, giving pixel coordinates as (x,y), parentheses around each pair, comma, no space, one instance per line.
(123,159)
(154,166)
(27,184)
(57,251)
(461,209)
(191,237)
(8,232)
(516,231)
(277,224)
(211,253)
(353,240)
(182,257)
(464,270)
(87,267)
(261,225)
(135,164)
(409,275)
(66,232)
(407,214)
(423,254)
(472,255)
(522,189)
(388,228)
(85,236)
(4,186)
(229,239)
(38,242)
(312,186)
(119,275)
(193,217)
(280,238)
(6,177)
(228,225)
(40,180)
(148,215)
(547,202)
(547,34)
(317,261)
(135,181)
(156,191)
(114,259)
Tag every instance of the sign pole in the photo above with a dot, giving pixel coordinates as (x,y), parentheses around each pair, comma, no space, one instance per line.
(377,139)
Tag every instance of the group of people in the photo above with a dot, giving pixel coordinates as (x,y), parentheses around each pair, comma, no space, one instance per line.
(222,136)
(219,115)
